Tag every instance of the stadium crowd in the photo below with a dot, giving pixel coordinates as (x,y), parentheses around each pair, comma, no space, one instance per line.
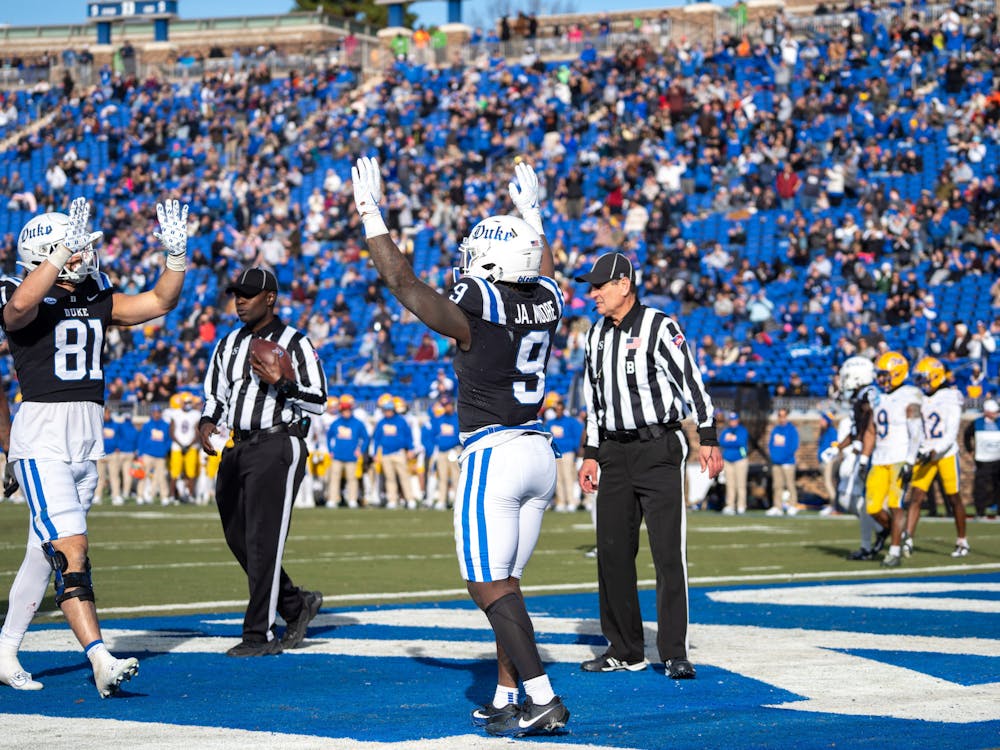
(794,198)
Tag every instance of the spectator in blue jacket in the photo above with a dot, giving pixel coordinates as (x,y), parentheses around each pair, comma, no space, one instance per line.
(347,440)
(734,441)
(126,439)
(109,467)
(447,448)
(782,446)
(567,434)
(153,449)
(392,445)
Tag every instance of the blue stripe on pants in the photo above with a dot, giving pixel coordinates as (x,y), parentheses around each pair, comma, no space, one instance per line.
(466,513)
(484,551)
(43,511)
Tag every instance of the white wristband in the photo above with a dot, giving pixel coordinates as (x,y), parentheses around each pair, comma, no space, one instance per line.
(533,218)
(177,262)
(59,256)
(374,225)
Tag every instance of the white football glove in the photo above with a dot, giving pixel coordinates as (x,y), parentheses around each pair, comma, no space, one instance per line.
(367,182)
(524,192)
(78,237)
(173,232)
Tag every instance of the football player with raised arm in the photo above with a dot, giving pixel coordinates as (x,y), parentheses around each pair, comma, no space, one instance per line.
(502,312)
(941,412)
(56,318)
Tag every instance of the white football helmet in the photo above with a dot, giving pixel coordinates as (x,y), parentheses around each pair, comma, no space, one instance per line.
(855,373)
(40,236)
(502,248)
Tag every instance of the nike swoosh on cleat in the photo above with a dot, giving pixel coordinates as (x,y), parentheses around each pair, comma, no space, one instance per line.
(19,680)
(527,725)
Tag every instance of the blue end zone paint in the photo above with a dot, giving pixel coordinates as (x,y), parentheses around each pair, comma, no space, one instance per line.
(398,699)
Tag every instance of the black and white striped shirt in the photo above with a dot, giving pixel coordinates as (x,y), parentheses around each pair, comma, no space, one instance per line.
(642,373)
(236,396)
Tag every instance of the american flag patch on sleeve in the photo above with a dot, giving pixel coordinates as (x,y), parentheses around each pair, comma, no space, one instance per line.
(632,342)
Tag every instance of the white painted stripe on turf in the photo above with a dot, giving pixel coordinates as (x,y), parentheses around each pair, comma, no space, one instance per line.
(25,730)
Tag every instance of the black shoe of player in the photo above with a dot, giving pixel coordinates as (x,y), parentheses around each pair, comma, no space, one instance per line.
(679,669)
(861,554)
(531,719)
(295,633)
(485,714)
(255,648)
(880,540)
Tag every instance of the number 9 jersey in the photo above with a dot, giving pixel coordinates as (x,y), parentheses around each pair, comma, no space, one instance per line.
(501,378)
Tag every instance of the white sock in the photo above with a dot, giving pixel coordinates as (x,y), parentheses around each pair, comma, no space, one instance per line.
(539,689)
(504,695)
(26,593)
(97,652)
(962,542)
(894,550)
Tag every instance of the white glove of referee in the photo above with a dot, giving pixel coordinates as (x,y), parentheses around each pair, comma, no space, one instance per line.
(173,233)
(367,182)
(524,192)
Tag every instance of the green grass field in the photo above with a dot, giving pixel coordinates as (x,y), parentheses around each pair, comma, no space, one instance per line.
(154,560)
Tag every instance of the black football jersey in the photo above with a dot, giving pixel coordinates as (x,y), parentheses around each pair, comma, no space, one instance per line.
(59,356)
(501,379)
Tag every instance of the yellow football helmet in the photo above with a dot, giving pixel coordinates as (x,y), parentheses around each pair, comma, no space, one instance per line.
(399,404)
(347,401)
(385,401)
(929,374)
(551,399)
(891,370)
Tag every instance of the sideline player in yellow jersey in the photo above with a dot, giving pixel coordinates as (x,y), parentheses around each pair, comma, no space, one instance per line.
(897,432)
(942,416)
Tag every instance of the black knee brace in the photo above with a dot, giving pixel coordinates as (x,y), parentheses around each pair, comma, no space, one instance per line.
(79,583)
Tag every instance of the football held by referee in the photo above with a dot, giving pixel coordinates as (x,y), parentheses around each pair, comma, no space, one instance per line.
(260,474)
(641,381)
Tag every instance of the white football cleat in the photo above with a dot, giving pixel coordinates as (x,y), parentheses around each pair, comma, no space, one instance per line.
(961,550)
(111,674)
(13,674)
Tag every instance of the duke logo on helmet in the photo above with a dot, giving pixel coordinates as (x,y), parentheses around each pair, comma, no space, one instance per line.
(502,248)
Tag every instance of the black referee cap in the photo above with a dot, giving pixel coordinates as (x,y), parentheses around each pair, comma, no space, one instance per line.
(609,267)
(252,282)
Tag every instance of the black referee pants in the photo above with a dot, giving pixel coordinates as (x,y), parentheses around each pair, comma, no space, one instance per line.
(642,480)
(255,488)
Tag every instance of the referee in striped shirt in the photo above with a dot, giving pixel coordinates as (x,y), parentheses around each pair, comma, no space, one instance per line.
(260,475)
(641,381)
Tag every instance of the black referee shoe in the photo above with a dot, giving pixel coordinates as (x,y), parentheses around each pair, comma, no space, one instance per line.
(679,669)
(608,663)
(255,648)
(295,633)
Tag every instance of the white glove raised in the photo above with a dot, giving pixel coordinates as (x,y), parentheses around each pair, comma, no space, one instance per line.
(524,192)
(173,232)
(367,182)
(78,235)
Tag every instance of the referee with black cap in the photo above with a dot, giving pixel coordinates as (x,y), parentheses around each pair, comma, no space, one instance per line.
(260,474)
(641,381)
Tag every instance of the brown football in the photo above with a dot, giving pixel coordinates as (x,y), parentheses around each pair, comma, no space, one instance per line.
(268,351)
